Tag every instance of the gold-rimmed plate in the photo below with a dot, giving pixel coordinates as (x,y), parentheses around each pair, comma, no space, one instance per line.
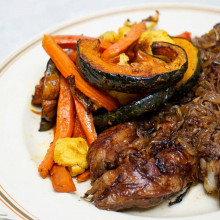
(22,147)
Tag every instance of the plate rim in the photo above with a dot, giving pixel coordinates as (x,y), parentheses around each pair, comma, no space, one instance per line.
(63,25)
(16,54)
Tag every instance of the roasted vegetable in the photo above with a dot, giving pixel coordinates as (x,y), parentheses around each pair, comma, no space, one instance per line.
(64,125)
(50,93)
(71,152)
(125,98)
(149,75)
(150,36)
(194,66)
(67,68)
(69,41)
(151,21)
(37,97)
(88,103)
(48,114)
(124,43)
(128,112)
(61,179)
(86,120)
(109,36)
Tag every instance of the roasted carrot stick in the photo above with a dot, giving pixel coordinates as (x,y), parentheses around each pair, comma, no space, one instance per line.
(64,126)
(122,44)
(86,120)
(54,130)
(65,111)
(83,177)
(47,162)
(69,41)
(68,68)
(78,130)
(186,35)
(61,179)
(72,56)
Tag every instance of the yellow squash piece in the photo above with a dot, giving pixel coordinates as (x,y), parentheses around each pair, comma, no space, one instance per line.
(110,36)
(151,36)
(123,59)
(72,152)
(122,31)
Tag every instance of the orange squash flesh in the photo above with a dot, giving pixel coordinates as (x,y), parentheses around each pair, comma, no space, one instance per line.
(145,76)
(89,51)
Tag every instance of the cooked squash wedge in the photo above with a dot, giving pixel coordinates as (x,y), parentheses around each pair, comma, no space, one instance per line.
(194,65)
(148,75)
(151,36)
(128,112)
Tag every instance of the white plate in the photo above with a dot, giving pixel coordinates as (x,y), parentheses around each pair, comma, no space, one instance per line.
(22,146)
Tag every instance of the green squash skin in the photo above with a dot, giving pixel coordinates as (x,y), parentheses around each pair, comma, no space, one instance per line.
(128,112)
(127,83)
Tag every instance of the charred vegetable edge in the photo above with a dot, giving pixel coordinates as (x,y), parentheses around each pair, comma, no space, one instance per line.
(128,112)
(128,83)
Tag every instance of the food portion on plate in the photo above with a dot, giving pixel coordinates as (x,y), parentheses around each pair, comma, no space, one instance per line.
(137,112)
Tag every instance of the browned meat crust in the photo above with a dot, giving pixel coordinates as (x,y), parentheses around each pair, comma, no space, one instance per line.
(142,163)
(144,182)
(104,154)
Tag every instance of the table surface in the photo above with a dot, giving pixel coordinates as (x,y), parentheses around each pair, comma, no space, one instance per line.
(21,20)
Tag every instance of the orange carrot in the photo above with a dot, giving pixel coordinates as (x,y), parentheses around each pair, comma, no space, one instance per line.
(130,54)
(83,177)
(36,112)
(78,130)
(72,56)
(64,126)
(68,68)
(65,111)
(186,35)
(54,130)
(61,179)
(47,162)
(69,41)
(86,120)
(122,44)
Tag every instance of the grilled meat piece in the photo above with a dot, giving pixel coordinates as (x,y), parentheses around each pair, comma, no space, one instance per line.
(116,143)
(106,152)
(144,182)
(142,163)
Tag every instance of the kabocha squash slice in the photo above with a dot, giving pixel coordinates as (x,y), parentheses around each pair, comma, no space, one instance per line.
(128,112)
(194,66)
(138,77)
(153,101)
